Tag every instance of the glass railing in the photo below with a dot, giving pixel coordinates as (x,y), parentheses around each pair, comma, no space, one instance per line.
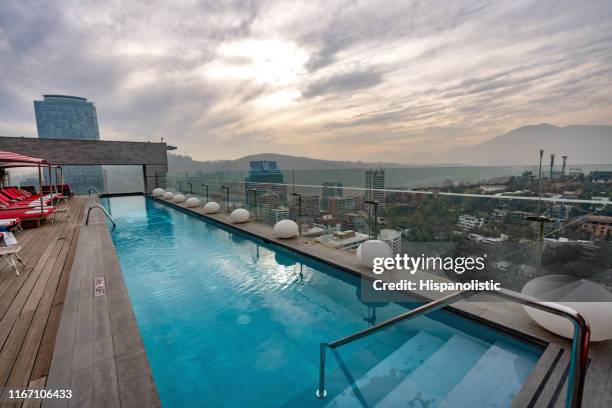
(524,227)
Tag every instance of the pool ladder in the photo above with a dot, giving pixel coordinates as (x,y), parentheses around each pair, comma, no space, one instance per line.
(91,207)
(95,189)
(580,342)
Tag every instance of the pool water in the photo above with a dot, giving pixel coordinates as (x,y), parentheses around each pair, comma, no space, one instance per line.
(230,321)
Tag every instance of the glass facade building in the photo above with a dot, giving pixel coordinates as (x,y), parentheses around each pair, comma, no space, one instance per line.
(71,117)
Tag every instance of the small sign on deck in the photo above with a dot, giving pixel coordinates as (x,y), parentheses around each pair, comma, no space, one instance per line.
(99,286)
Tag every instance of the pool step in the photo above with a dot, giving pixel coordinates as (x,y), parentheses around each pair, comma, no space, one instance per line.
(336,379)
(382,378)
(501,371)
(437,376)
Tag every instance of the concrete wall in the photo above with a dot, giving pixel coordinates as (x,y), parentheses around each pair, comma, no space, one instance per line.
(86,152)
(152,156)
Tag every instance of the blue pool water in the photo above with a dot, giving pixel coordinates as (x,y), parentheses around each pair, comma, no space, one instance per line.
(229,321)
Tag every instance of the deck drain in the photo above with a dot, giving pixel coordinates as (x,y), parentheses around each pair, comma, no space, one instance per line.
(99,286)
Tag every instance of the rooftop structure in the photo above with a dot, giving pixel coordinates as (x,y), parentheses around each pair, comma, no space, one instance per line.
(392,238)
(348,240)
(469,222)
(599,226)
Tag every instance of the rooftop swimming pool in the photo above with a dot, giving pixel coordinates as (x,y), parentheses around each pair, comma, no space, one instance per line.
(230,321)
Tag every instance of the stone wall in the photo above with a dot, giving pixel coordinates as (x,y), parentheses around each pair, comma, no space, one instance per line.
(152,156)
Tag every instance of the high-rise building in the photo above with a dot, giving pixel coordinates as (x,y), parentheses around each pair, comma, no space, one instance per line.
(375,185)
(266,177)
(311,206)
(329,190)
(71,117)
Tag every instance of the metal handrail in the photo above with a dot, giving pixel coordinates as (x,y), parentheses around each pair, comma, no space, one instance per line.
(97,191)
(580,341)
(91,207)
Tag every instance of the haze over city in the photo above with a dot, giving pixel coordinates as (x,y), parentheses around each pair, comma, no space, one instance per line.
(341,81)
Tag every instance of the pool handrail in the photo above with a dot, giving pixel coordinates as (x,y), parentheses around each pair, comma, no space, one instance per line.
(97,191)
(91,207)
(580,341)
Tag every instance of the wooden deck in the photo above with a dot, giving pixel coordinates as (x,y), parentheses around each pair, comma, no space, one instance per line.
(31,304)
(55,333)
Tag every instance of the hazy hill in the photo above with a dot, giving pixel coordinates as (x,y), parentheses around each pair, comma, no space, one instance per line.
(186,163)
(583,145)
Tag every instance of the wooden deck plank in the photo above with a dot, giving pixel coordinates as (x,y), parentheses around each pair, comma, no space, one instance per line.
(20,374)
(31,304)
(98,351)
(31,254)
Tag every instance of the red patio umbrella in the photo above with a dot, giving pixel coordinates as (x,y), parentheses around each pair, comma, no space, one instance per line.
(10,159)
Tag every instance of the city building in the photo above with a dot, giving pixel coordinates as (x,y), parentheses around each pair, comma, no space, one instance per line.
(329,190)
(468,222)
(348,240)
(71,117)
(559,212)
(340,206)
(393,238)
(271,215)
(311,206)
(375,186)
(491,188)
(355,221)
(576,173)
(601,176)
(600,226)
(266,177)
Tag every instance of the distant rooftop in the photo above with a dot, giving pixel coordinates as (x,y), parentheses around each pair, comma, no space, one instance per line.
(64,97)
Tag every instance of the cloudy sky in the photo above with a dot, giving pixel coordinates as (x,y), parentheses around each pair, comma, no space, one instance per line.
(370,80)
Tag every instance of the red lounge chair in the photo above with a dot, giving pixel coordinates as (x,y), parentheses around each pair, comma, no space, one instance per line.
(9,224)
(10,199)
(4,203)
(25,214)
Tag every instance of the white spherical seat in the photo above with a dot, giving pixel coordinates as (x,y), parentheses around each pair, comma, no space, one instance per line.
(371,249)
(178,198)
(211,207)
(157,192)
(286,229)
(592,301)
(168,195)
(240,215)
(192,202)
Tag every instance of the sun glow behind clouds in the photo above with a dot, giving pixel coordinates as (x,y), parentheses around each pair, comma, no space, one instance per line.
(273,62)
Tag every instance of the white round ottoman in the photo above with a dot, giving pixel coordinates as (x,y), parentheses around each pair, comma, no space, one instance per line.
(211,207)
(157,192)
(178,198)
(168,195)
(192,202)
(286,229)
(592,301)
(371,249)
(240,215)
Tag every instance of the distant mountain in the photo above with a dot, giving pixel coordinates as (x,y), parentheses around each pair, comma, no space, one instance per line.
(178,163)
(582,144)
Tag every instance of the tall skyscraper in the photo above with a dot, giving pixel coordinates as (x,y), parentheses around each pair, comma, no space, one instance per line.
(71,117)
(265,177)
(375,185)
